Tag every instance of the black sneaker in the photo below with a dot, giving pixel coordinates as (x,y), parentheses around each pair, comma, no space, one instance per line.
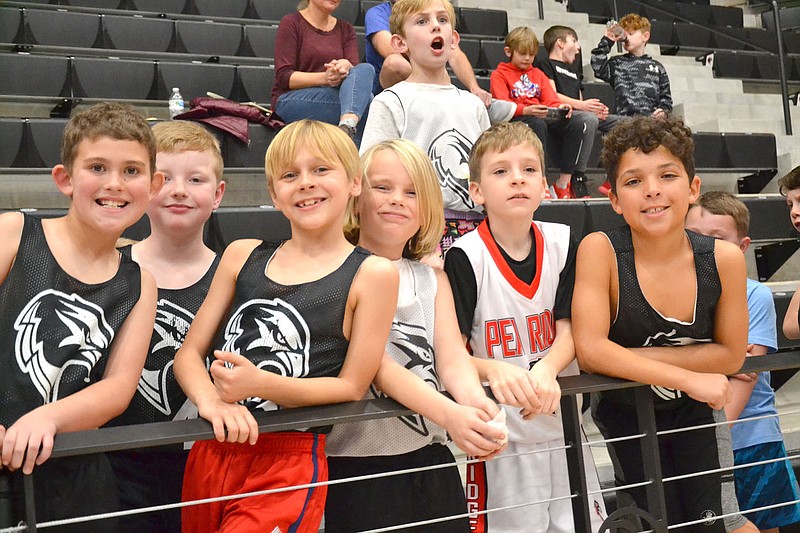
(578,185)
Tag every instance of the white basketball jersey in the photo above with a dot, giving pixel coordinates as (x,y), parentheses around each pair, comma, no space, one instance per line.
(513,320)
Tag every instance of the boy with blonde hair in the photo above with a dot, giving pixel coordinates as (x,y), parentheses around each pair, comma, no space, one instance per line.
(665,307)
(183,266)
(75,314)
(428,109)
(512,285)
(529,88)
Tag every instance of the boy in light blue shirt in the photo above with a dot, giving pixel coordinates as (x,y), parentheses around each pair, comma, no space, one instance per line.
(725,217)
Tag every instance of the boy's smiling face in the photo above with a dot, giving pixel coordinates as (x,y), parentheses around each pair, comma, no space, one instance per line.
(429,38)
(653,190)
(110,183)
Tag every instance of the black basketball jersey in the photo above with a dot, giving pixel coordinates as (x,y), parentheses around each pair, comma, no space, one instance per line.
(158,396)
(55,331)
(638,324)
(291,330)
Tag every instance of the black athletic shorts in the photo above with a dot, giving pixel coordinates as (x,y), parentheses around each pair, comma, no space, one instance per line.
(395,500)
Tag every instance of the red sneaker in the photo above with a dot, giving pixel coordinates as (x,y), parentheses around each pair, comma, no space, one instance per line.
(562,194)
(605,188)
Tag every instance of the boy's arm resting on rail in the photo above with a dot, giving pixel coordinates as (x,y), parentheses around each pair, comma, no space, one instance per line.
(742,386)
(591,320)
(371,321)
(229,420)
(30,439)
(726,353)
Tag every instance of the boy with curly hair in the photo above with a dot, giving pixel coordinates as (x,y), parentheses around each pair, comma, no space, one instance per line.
(666,307)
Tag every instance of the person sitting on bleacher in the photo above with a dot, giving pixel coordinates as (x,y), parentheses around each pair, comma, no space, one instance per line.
(520,82)
(391,67)
(317,74)
(641,84)
(723,216)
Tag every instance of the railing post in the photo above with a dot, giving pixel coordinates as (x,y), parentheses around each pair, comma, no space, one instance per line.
(30,504)
(576,466)
(651,457)
(541,10)
(787,115)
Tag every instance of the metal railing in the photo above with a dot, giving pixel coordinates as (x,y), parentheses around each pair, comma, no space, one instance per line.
(158,434)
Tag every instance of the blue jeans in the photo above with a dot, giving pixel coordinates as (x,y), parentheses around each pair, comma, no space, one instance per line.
(328,104)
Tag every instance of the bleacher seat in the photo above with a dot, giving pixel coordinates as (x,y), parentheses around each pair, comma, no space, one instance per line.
(572,214)
(46,135)
(159,6)
(692,36)
(195,79)
(790,18)
(493,53)
(117,79)
(226,8)
(97,4)
(28,75)
(261,39)
(734,64)
(211,39)
(136,33)
(240,155)
(9,23)
(61,28)
(256,82)
(476,21)
(230,224)
(10,140)
(472,48)
(603,92)
(662,32)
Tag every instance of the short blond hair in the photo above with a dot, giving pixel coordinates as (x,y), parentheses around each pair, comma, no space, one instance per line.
(327,141)
(185,136)
(632,22)
(429,197)
(523,40)
(402,10)
(500,138)
(724,203)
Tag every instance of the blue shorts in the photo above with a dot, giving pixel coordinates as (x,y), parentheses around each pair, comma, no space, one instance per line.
(768,484)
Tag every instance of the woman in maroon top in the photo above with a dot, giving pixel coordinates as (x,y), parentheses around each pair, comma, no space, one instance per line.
(317,74)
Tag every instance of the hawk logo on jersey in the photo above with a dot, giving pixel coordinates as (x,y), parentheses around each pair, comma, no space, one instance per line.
(172,323)
(409,346)
(449,153)
(669,338)
(273,335)
(48,330)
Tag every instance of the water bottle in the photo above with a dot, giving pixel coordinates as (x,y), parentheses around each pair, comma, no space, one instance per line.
(616,30)
(175,103)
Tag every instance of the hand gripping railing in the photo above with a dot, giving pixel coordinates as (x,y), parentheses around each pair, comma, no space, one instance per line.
(164,433)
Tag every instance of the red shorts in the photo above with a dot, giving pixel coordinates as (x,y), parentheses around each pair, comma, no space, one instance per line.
(277,460)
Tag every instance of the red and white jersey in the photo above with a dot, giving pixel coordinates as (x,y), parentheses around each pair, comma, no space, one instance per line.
(514,320)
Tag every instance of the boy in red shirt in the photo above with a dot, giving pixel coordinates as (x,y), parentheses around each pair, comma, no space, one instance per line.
(520,82)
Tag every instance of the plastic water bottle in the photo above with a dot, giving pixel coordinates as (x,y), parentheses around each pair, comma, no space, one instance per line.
(616,30)
(175,103)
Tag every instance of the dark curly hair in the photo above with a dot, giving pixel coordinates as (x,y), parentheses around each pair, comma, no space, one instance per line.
(790,181)
(646,134)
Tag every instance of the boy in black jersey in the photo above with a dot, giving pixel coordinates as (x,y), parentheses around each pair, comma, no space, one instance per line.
(75,316)
(662,306)
(291,323)
(183,266)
